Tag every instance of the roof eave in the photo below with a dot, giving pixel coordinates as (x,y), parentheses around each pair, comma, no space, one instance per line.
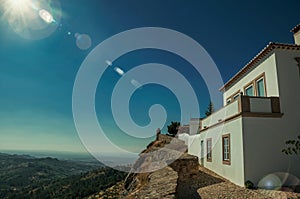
(296,29)
(264,52)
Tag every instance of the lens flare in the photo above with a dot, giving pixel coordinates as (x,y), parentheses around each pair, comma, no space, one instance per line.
(108,62)
(119,71)
(31,19)
(136,83)
(46,16)
(83,41)
(279,180)
(270,182)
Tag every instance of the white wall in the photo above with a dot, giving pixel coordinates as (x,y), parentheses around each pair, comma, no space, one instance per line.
(184,137)
(264,138)
(269,67)
(263,142)
(289,84)
(297,38)
(194,145)
(194,126)
(233,172)
(220,115)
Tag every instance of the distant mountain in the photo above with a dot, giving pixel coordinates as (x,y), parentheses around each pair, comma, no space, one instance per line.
(23,176)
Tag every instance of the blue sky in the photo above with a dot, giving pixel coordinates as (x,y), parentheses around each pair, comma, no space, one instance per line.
(37,76)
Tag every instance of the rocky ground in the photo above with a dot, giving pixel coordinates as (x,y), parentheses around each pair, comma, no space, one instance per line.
(207,185)
(183,179)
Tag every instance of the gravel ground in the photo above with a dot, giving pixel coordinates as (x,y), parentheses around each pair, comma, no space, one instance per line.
(213,188)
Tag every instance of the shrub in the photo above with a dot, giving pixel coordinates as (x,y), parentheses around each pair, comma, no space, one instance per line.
(249,184)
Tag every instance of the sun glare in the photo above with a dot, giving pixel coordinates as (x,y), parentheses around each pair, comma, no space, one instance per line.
(18,3)
(17,9)
(21,5)
(31,19)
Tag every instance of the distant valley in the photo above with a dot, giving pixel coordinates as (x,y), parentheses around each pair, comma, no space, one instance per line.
(23,176)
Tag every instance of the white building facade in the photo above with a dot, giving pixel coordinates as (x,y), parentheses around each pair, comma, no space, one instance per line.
(244,140)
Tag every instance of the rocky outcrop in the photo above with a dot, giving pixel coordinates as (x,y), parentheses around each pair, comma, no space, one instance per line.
(165,170)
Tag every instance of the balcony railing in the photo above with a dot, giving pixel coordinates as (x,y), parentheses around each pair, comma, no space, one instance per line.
(244,106)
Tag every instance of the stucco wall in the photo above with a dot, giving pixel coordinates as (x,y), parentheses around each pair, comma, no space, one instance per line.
(184,137)
(194,126)
(289,84)
(263,141)
(269,67)
(220,115)
(234,171)
(264,138)
(297,38)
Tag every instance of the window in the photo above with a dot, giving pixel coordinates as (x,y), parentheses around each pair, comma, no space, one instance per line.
(249,90)
(233,97)
(209,149)
(226,148)
(260,87)
(236,96)
(228,100)
(256,87)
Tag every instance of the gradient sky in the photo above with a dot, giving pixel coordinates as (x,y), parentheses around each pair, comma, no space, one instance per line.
(37,76)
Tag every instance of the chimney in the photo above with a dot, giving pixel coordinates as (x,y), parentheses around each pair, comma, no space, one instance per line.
(296,32)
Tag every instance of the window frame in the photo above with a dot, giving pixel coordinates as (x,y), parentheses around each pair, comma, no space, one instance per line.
(236,96)
(227,162)
(209,159)
(260,77)
(231,97)
(247,87)
(228,100)
(254,84)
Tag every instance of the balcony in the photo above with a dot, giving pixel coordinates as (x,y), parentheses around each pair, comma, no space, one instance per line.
(245,106)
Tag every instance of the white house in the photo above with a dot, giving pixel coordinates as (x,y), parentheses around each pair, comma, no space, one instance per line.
(244,139)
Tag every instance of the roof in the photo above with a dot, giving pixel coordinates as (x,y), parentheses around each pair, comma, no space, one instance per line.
(253,63)
(296,28)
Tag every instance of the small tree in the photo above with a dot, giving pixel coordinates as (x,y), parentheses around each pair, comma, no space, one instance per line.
(292,146)
(173,128)
(210,109)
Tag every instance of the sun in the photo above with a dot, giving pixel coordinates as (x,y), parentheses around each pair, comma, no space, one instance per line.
(16,7)
(31,18)
(20,4)
(18,13)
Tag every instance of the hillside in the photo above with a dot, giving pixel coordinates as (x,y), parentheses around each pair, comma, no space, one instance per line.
(23,176)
